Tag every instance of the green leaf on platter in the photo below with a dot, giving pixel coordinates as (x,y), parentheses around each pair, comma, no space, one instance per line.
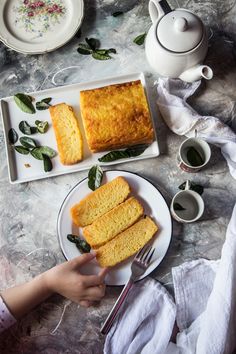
(194,157)
(38,152)
(117,13)
(47,163)
(95,176)
(123,154)
(26,129)
(21,149)
(139,40)
(24,103)
(46,100)
(28,142)
(41,106)
(42,126)
(81,244)
(177,206)
(193,186)
(93,43)
(101,56)
(84,49)
(12,136)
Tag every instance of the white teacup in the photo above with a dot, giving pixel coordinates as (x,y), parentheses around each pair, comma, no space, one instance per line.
(187,206)
(202,148)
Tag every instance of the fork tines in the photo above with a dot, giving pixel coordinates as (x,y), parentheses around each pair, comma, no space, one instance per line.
(145,254)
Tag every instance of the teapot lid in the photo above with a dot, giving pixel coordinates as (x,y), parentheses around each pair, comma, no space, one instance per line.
(180,31)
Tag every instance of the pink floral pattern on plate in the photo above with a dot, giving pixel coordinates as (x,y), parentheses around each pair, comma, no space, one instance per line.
(38,17)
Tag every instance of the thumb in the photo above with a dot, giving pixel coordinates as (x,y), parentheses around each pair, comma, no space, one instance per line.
(83,259)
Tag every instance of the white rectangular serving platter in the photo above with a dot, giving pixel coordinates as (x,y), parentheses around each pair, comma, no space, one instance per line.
(12,116)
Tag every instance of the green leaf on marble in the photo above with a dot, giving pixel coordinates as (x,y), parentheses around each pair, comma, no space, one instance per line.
(84,49)
(93,43)
(117,13)
(24,103)
(101,54)
(139,40)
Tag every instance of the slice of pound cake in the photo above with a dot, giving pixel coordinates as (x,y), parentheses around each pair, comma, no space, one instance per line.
(100,201)
(126,243)
(112,223)
(68,135)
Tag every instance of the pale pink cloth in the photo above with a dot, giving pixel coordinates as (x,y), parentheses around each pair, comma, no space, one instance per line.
(6,318)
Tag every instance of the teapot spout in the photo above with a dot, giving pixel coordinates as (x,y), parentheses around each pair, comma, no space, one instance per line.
(196,73)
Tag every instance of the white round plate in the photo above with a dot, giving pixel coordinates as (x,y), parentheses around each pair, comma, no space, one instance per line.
(35,27)
(154,205)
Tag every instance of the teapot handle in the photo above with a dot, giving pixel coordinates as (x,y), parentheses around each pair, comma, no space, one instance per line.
(157,9)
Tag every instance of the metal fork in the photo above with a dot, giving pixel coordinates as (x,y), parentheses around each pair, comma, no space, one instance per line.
(138,268)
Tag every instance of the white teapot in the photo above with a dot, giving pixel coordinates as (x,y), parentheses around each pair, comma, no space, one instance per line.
(176,43)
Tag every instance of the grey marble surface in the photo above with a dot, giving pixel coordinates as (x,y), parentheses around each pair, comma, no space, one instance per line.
(28,212)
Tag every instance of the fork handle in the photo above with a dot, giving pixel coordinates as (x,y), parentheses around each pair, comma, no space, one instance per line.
(112,315)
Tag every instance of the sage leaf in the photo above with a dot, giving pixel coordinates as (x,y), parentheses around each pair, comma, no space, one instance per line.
(95,177)
(40,106)
(47,163)
(38,152)
(117,13)
(123,154)
(139,40)
(193,186)
(46,100)
(136,150)
(12,136)
(112,50)
(194,157)
(84,49)
(81,244)
(21,149)
(99,56)
(177,206)
(93,43)
(28,142)
(42,127)
(24,103)
(26,129)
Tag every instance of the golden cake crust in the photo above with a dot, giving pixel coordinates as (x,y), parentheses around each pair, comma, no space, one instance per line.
(116,116)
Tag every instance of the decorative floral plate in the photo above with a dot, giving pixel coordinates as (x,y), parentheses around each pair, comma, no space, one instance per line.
(35,27)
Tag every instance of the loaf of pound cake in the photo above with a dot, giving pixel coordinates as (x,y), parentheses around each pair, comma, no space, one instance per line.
(116,116)
(99,202)
(126,243)
(107,226)
(68,135)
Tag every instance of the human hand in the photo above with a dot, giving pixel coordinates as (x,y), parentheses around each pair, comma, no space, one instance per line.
(65,279)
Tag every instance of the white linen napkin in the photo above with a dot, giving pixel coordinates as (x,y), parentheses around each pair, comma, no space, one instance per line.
(183,119)
(205,309)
